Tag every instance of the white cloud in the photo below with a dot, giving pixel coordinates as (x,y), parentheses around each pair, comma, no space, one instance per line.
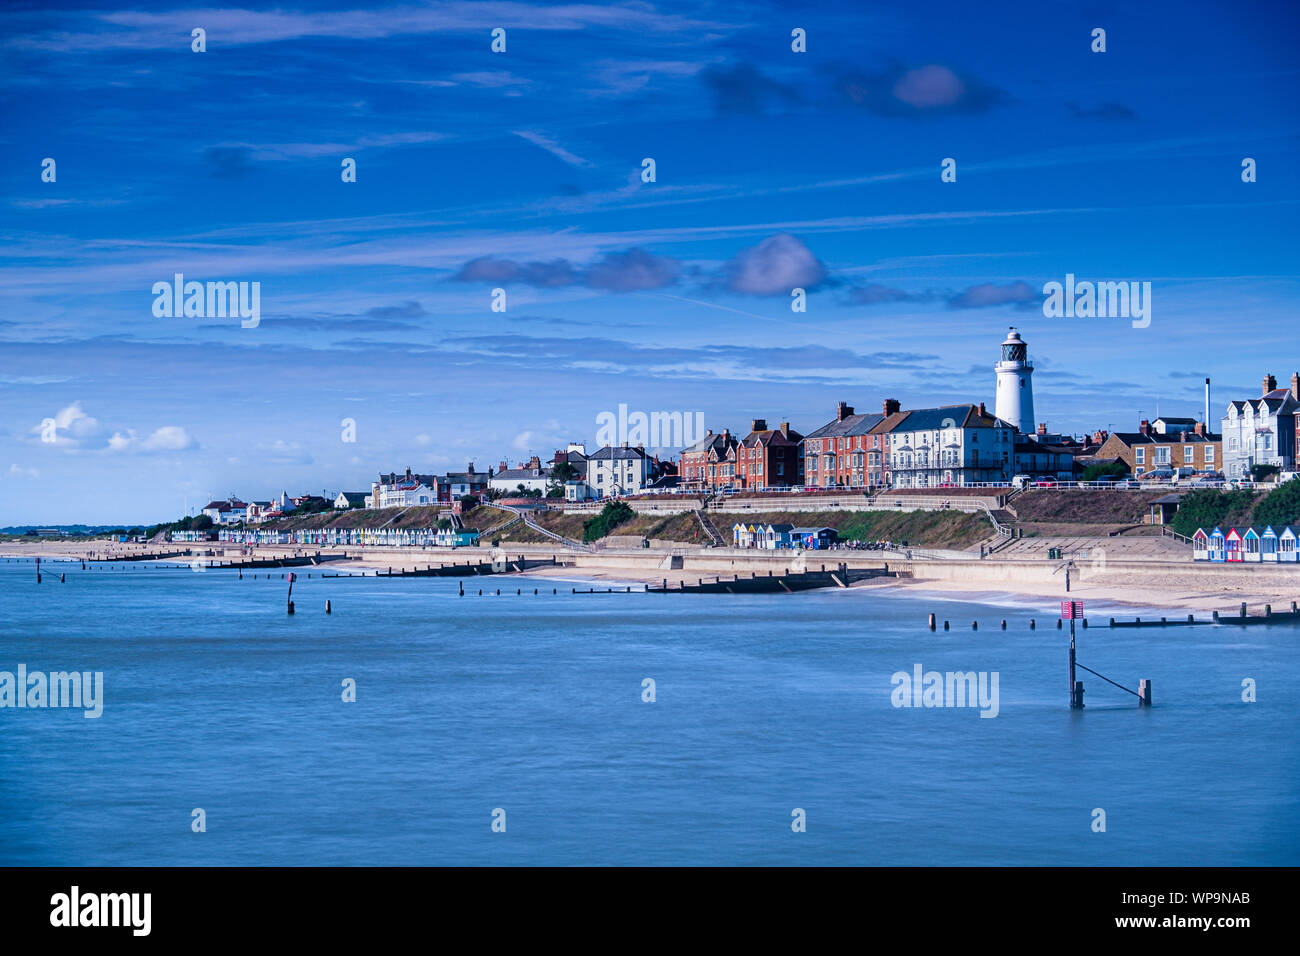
(542,141)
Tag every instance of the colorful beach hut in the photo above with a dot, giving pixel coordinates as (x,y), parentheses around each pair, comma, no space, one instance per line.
(1200,545)
(1287,549)
(1232,544)
(775,536)
(1250,546)
(1218,546)
(1268,545)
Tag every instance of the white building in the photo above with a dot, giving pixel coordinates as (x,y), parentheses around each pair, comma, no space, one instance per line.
(402,491)
(1262,431)
(532,476)
(950,445)
(618,470)
(1015,395)
(230,511)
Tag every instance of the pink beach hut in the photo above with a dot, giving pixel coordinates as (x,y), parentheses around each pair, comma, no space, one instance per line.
(1232,544)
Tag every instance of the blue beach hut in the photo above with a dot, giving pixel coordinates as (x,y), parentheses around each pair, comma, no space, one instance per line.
(1218,546)
(1268,545)
(1287,550)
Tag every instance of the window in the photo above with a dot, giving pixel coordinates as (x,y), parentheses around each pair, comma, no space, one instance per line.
(1209,454)
(1140,455)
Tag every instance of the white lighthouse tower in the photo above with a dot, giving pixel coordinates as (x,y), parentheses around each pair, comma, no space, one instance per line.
(1015,399)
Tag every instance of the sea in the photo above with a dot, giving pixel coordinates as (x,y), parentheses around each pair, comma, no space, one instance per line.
(416,726)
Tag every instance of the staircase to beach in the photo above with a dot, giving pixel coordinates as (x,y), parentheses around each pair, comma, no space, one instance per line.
(709,528)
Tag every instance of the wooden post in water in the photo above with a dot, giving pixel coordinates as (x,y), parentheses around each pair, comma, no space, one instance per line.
(931,621)
(328,609)
(1144,692)
(1243,609)
(290,598)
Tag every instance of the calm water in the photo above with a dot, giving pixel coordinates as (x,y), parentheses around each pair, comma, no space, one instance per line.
(215,698)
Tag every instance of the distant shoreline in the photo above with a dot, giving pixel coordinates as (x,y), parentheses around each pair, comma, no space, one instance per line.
(1177,587)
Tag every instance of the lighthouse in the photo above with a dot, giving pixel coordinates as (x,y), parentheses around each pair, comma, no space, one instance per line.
(1015,398)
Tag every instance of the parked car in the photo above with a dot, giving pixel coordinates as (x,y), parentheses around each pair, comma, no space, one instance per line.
(1045,483)
(1019,481)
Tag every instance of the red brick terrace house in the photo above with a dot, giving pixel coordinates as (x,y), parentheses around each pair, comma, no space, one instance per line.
(768,457)
(707,464)
(850,451)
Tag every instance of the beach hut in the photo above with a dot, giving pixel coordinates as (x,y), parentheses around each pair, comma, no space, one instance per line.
(1250,546)
(1232,542)
(1200,545)
(1287,550)
(816,538)
(776,536)
(1218,546)
(1268,545)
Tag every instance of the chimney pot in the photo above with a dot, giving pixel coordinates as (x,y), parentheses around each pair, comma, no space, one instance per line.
(1144,427)
(1270,383)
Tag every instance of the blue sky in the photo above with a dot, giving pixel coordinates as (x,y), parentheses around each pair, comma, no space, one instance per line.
(521,170)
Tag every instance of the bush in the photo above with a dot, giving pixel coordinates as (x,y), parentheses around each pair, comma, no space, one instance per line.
(1263,472)
(610,517)
(1108,469)
(1209,508)
(1280,507)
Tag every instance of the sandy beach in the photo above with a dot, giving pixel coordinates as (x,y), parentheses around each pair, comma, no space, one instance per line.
(1176,587)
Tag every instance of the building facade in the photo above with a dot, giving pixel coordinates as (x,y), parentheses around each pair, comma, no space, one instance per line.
(768,457)
(618,470)
(847,452)
(1179,450)
(950,445)
(1262,431)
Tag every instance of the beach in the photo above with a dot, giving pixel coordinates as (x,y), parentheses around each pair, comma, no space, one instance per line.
(1174,586)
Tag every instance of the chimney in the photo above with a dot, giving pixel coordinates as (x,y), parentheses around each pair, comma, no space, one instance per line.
(1144,427)
(982,412)
(470,469)
(1042,428)
(785,429)
(760,424)
(891,407)
(1295,386)
(1270,383)
(501,467)
(1199,428)
(842,411)
(534,462)
(708,433)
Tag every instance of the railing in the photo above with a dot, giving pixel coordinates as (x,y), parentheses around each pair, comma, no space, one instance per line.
(1167,532)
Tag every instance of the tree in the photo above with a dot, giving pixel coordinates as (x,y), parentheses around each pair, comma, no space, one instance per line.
(444,524)
(560,473)
(1263,472)
(1280,507)
(467,502)
(1208,508)
(612,515)
(200,523)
